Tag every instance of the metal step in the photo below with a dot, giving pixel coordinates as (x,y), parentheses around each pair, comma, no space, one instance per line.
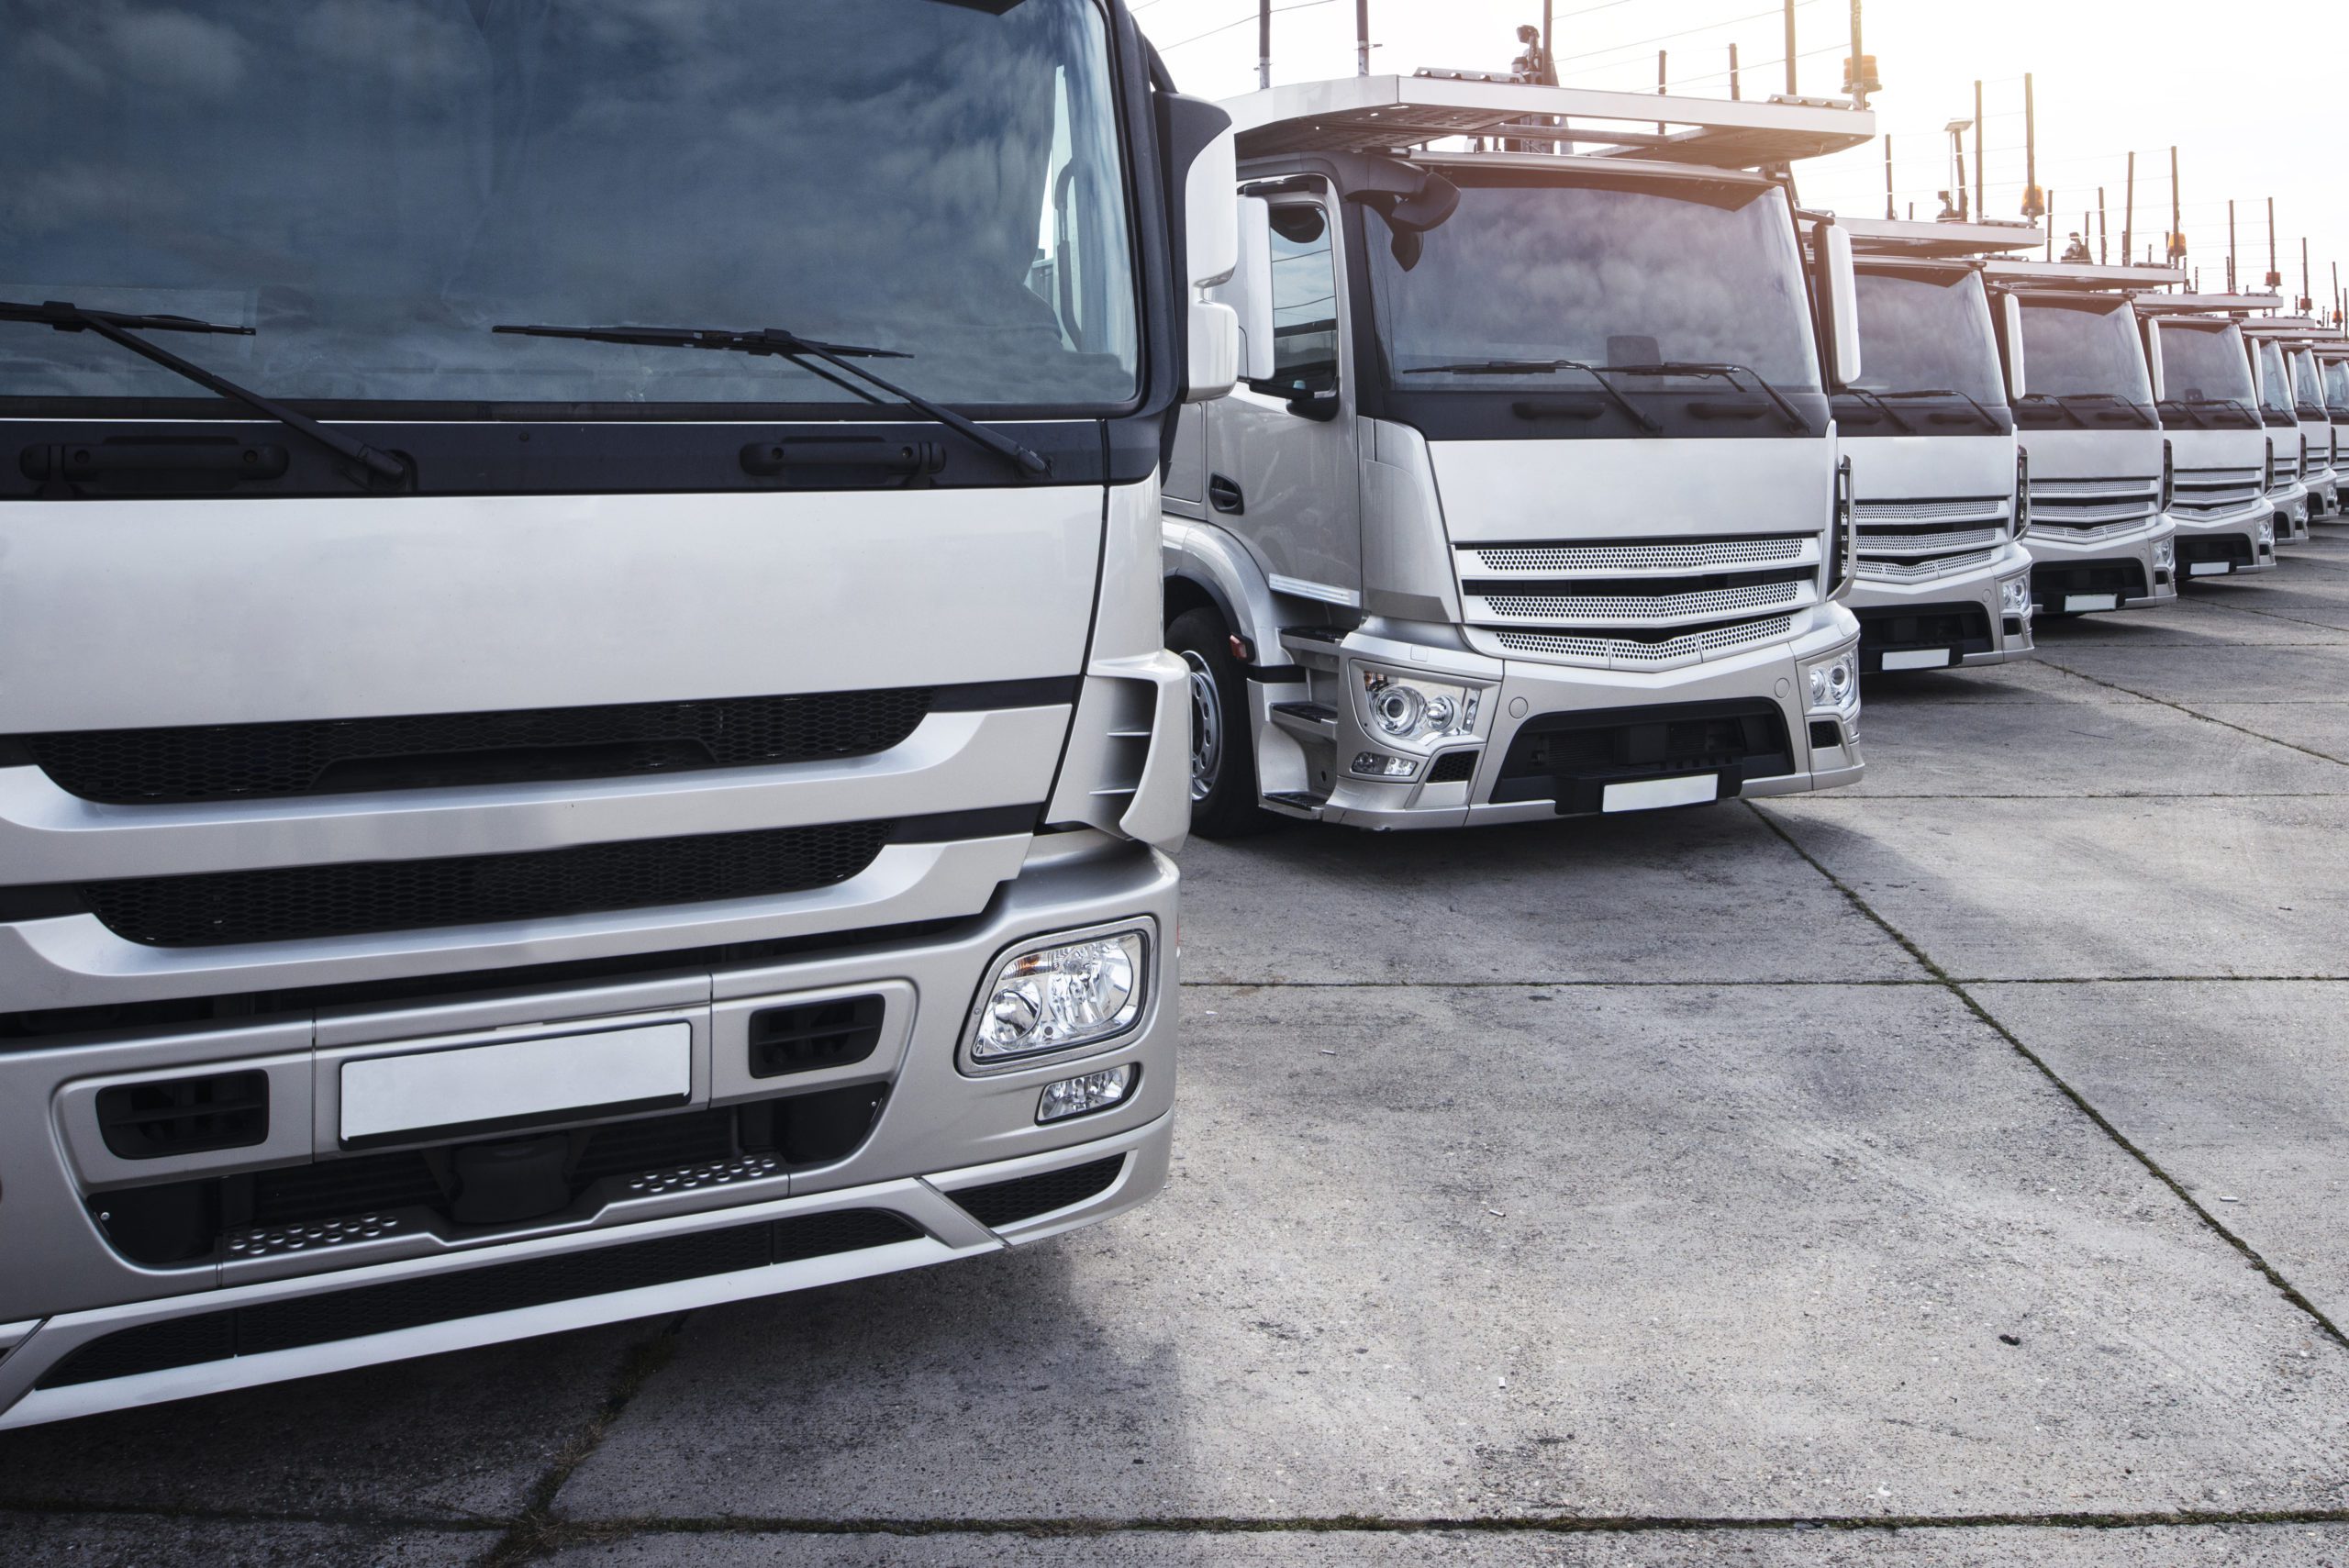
(1313,721)
(1296,803)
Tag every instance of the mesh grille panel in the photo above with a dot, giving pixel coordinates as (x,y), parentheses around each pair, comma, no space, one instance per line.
(244,761)
(293,902)
(1628,651)
(1790,550)
(1923,571)
(1645,609)
(1875,541)
(1024,1197)
(1984,509)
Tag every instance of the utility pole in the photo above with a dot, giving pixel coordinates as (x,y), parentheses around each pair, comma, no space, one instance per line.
(2129,214)
(2033,205)
(2231,245)
(2275,276)
(1550,44)
(1659,86)
(1889,210)
(1733,94)
(2308,289)
(2176,250)
(1362,37)
(1981,204)
(1859,72)
(2103,251)
(1790,50)
(1265,42)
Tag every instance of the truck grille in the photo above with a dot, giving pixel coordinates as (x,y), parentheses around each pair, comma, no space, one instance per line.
(1907,541)
(2083,511)
(283,904)
(1637,604)
(2210,492)
(240,761)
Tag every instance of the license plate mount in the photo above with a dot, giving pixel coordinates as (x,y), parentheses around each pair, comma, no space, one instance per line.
(504,1085)
(1917,659)
(1655,794)
(2075,603)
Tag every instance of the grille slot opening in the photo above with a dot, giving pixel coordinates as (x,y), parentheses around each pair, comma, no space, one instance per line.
(1453,767)
(185,1116)
(1572,757)
(1023,1198)
(812,1034)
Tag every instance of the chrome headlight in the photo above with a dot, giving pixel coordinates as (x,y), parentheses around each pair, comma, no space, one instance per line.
(1056,996)
(2164,553)
(1414,713)
(1832,686)
(2014,595)
(2268,529)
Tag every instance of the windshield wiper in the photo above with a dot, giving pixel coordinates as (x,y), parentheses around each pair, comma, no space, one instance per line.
(1878,402)
(1988,417)
(1729,372)
(118,327)
(784,344)
(1544,367)
(2057,403)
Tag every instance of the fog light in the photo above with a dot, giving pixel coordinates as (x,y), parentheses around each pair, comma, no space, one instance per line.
(1069,994)
(1082,1097)
(1379,765)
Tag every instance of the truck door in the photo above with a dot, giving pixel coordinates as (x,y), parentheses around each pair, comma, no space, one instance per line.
(1281,464)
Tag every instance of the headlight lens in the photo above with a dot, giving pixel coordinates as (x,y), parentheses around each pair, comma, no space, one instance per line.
(1404,710)
(2164,553)
(1054,996)
(2014,596)
(1834,684)
(2268,529)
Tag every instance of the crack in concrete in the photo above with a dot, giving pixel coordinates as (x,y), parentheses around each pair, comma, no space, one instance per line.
(1956,988)
(2181,708)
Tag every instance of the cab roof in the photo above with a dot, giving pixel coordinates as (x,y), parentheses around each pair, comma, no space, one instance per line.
(1913,239)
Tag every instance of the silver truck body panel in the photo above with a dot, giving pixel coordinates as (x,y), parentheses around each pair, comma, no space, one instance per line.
(2225,522)
(1965,485)
(2095,502)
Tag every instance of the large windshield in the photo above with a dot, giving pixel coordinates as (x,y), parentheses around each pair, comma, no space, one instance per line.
(2274,381)
(2306,388)
(373,183)
(1928,332)
(2336,387)
(2076,347)
(2205,364)
(1607,275)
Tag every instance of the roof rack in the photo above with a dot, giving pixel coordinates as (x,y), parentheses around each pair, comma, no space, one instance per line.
(1395,113)
(1919,241)
(2288,326)
(2085,277)
(2236,304)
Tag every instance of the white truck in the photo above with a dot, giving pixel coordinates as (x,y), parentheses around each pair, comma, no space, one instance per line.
(1529,503)
(2100,534)
(592,736)
(2332,364)
(1942,497)
(2295,339)
(2219,444)
(2271,374)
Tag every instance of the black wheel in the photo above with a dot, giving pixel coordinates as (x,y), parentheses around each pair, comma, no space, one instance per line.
(1223,758)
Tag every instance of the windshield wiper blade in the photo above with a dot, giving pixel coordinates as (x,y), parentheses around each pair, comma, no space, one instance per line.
(1988,417)
(2057,403)
(118,327)
(1882,406)
(788,345)
(1639,416)
(1729,372)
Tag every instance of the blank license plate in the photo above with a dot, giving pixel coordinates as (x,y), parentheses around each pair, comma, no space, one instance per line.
(516,1081)
(2205,568)
(1648,794)
(1917,659)
(2091,602)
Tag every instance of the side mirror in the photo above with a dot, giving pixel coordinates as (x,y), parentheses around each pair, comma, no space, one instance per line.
(2011,339)
(2154,359)
(1249,291)
(1839,305)
(1211,251)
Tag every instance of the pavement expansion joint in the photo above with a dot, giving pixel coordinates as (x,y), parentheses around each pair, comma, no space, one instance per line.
(1956,988)
(2191,712)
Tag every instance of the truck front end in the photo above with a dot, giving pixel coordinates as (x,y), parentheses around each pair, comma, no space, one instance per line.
(520,829)
(2218,448)
(1944,579)
(2100,538)
(2317,470)
(2286,453)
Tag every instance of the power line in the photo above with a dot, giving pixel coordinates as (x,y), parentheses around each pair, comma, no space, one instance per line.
(1241,22)
(1684,33)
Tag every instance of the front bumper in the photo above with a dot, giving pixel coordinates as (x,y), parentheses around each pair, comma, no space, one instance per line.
(2289,505)
(2234,543)
(2072,576)
(1963,618)
(1526,690)
(252,1314)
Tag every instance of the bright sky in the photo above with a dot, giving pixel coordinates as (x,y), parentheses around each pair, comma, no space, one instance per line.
(2179,73)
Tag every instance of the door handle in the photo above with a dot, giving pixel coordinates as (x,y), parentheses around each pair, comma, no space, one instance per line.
(1224,495)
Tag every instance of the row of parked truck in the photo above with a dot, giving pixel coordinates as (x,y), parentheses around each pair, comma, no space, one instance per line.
(592,722)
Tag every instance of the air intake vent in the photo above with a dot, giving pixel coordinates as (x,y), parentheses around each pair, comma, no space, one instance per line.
(1024,1197)
(185,1116)
(810,1035)
(471,1292)
(1453,767)
(290,902)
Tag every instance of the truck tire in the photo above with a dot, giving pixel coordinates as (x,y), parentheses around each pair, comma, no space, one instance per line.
(1223,757)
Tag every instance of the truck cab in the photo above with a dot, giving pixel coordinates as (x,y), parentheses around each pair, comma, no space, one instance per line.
(1943,578)
(2319,475)
(1529,502)
(2333,363)
(2101,535)
(2210,410)
(583,726)
(2279,409)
